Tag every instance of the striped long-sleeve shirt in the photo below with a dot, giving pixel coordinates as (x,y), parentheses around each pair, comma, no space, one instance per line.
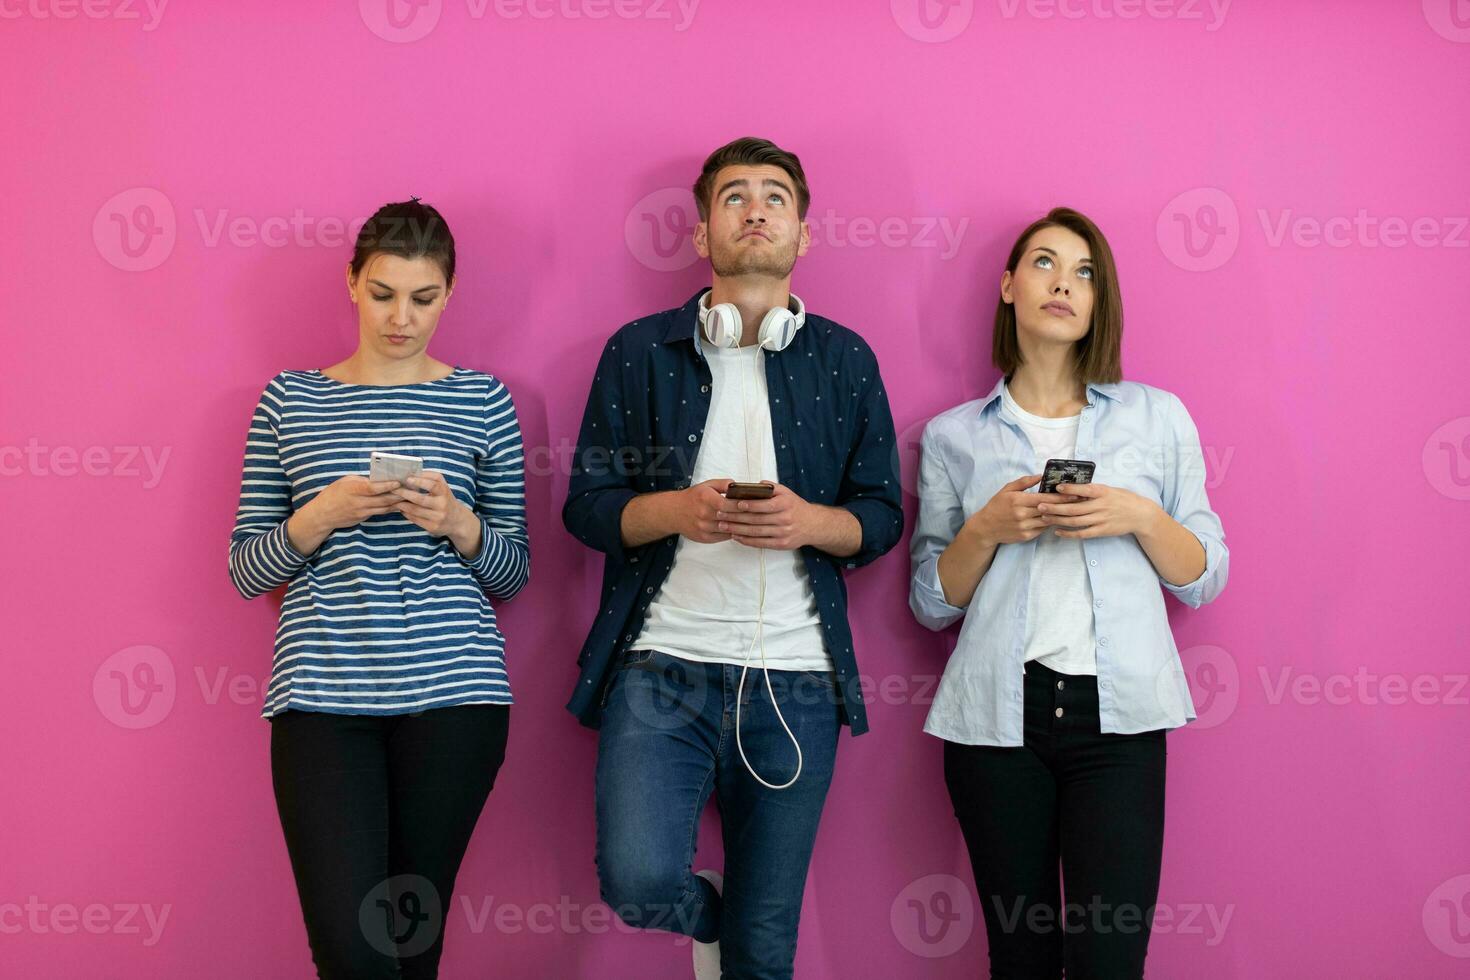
(383,618)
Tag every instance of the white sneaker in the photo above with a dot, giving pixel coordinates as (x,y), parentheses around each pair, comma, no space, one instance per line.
(707,955)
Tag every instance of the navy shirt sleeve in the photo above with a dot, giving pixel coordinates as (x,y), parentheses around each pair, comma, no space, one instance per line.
(599,488)
(870,486)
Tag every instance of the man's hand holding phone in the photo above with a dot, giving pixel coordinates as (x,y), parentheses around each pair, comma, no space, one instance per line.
(697,510)
(774,519)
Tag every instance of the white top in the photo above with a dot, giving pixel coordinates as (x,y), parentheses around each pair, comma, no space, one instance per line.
(706,608)
(1059,630)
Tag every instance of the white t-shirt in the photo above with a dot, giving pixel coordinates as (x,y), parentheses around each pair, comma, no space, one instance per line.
(1059,625)
(706,608)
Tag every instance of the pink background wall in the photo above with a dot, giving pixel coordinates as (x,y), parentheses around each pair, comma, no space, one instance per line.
(1284,185)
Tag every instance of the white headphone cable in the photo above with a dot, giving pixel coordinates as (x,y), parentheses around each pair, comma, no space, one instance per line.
(759,636)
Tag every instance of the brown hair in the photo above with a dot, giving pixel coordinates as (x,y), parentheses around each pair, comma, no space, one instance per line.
(410,230)
(750,151)
(1100,353)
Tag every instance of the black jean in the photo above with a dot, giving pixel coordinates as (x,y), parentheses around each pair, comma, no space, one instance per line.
(377,812)
(1072,795)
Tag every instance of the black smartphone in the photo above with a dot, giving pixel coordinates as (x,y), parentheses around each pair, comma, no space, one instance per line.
(749,491)
(1059,471)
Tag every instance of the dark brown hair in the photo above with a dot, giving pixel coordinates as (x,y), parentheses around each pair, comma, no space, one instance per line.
(1099,353)
(754,152)
(410,230)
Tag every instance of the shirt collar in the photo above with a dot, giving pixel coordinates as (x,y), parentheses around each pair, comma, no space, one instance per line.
(1106,390)
(684,323)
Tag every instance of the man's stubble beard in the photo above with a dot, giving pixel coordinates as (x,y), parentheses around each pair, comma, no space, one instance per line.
(775,262)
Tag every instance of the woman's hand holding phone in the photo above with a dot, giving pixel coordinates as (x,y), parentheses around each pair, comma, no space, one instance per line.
(1013,515)
(351,500)
(1100,511)
(345,502)
(427,501)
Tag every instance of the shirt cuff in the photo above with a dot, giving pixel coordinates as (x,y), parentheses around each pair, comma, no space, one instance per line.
(284,552)
(928,602)
(607,517)
(1192,593)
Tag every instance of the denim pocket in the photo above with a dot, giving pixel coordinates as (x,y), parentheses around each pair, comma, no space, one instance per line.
(826,678)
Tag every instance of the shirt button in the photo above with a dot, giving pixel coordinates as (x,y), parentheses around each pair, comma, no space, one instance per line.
(649,590)
(704,388)
(1098,603)
(1102,640)
(1090,561)
(628,638)
(693,438)
(1059,712)
(1061,684)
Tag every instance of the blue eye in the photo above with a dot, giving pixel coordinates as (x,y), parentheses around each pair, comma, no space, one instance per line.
(1085,272)
(1044,258)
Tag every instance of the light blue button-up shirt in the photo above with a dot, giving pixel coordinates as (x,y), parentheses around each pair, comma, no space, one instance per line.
(1142,439)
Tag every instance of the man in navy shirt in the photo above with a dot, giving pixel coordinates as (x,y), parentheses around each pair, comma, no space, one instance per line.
(721,659)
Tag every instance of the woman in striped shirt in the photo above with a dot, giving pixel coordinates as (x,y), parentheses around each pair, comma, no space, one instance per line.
(388,697)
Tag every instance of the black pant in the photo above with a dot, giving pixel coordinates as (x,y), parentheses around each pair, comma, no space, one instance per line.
(1093,801)
(377,812)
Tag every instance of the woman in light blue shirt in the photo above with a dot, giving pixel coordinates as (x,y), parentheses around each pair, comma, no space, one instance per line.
(1065,677)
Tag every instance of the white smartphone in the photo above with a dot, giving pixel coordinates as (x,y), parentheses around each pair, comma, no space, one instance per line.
(392,466)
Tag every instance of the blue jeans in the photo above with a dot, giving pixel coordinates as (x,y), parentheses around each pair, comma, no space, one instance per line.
(667,740)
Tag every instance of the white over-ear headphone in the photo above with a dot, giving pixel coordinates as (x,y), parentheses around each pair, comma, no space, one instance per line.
(722,326)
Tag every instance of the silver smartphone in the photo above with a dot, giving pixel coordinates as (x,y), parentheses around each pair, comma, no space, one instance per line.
(393,466)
